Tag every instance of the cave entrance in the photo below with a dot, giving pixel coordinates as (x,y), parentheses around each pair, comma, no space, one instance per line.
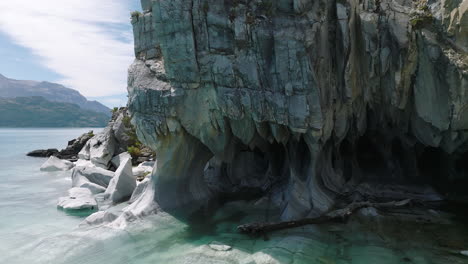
(448,173)
(370,158)
(251,173)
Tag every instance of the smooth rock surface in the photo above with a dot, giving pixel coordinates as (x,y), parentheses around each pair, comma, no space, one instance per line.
(99,218)
(56,164)
(122,184)
(78,199)
(219,246)
(95,175)
(139,190)
(116,161)
(82,182)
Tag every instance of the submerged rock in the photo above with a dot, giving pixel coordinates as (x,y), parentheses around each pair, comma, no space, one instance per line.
(99,218)
(122,184)
(78,199)
(219,247)
(56,164)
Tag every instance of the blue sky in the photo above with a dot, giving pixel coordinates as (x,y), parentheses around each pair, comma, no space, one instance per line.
(86,45)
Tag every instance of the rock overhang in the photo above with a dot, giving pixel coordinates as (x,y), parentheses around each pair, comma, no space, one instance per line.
(315,78)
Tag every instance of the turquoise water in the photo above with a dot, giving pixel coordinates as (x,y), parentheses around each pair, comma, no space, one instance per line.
(32,230)
(27,196)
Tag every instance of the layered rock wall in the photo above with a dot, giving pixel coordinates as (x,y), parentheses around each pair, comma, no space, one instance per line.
(298,100)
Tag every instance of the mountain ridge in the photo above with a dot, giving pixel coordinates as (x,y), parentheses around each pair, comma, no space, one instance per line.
(36,111)
(12,88)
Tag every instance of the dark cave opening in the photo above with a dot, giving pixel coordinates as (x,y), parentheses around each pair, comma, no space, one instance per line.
(391,161)
(251,173)
(370,158)
(448,173)
(430,164)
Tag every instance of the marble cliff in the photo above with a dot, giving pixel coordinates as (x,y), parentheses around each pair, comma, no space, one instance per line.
(304,102)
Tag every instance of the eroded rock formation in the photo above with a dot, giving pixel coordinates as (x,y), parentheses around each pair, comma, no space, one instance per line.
(299,101)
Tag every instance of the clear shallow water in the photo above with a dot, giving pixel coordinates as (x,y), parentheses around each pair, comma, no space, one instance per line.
(32,230)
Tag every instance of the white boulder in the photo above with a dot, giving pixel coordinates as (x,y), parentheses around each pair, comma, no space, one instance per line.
(88,163)
(122,185)
(83,182)
(78,199)
(100,148)
(216,246)
(56,164)
(84,152)
(95,175)
(117,160)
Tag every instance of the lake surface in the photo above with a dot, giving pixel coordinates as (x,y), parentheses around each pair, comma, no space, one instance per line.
(32,230)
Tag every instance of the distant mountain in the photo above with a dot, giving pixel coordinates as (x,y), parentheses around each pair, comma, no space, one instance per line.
(39,112)
(10,88)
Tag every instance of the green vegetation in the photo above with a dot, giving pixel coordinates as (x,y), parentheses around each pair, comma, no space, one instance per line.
(421,21)
(115,109)
(422,17)
(38,112)
(136,13)
(134,151)
(136,146)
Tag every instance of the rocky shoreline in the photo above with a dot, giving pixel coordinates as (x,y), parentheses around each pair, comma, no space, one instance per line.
(107,168)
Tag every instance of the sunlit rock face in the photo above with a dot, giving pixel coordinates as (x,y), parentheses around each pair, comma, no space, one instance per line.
(298,101)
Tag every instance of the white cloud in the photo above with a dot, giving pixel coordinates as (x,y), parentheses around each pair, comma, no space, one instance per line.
(112,101)
(88,42)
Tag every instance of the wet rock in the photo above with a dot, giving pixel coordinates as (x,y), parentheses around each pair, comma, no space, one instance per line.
(56,164)
(369,212)
(78,199)
(99,218)
(42,153)
(74,147)
(219,246)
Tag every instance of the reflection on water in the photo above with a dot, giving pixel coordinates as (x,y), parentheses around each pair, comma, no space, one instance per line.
(32,230)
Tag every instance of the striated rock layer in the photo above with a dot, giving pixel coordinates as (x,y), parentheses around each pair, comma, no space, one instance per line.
(299,101)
